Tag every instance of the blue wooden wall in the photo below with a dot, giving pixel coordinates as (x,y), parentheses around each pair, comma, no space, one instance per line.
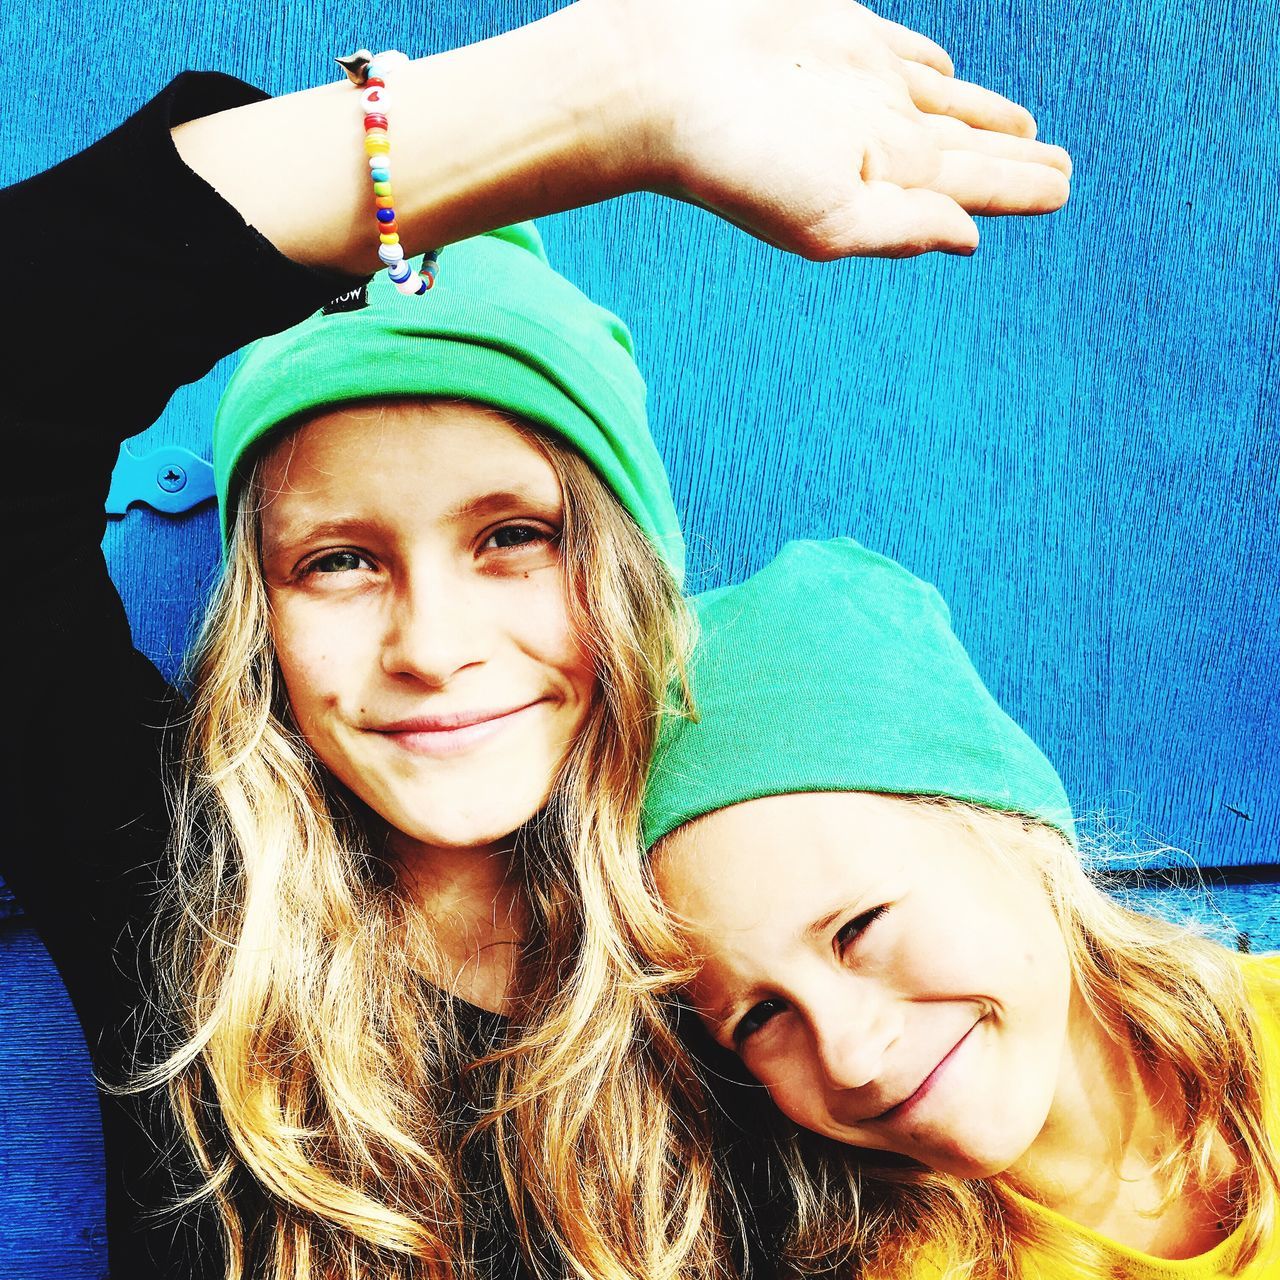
(1073,433)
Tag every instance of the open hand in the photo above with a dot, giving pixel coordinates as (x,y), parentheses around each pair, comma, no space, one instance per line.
(828,131)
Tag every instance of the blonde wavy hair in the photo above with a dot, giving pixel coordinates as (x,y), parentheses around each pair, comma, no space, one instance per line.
(1178,998)
(319,1075)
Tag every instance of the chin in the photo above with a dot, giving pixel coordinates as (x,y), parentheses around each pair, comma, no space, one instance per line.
(460,834)
(477,828)
(980,1158)
(969,1168)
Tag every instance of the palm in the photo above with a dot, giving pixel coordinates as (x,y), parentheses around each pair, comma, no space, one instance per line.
(829,131)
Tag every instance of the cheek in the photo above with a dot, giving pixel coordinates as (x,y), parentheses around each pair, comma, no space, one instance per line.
(318,656)
(540,622)
(995,937)
(796,1091)
(788,1072)
(1032,947)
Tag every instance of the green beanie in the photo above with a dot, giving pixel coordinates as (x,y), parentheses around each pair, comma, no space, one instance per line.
(500,328)
(834,669)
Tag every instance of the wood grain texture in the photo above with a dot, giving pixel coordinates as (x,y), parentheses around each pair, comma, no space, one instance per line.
(1073,434)
(52,1189)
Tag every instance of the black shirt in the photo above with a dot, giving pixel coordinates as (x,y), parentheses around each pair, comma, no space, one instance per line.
(160,279)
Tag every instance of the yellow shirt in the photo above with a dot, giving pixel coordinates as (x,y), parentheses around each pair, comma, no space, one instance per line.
(1263,974)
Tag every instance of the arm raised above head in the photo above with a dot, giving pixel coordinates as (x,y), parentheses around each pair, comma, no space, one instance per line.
(813,124)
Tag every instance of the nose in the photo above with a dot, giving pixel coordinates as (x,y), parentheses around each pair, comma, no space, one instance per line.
(435,627)
(852,1038)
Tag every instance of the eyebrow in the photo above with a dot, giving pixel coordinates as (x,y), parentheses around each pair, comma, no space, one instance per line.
(486,504)
(826,922)
(721,1018)
(302,531)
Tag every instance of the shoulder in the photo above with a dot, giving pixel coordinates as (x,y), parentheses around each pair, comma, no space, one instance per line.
(1261,975)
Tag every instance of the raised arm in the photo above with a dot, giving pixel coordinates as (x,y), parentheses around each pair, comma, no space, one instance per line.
(158,279)
(813,124)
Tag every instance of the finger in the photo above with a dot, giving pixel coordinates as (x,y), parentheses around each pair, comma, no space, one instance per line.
(954,136)
(914,47)
(993,185)
(886,221)
(941,95)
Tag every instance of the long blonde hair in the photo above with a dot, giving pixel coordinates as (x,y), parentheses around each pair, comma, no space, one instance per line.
(316,1073)
(1177,998)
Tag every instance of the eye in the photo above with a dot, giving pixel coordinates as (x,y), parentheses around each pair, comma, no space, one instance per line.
(337,562)
(755,1018)
(513,536)
(851,932)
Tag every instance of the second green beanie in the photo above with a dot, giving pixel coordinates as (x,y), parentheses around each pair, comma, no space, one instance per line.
(834,669)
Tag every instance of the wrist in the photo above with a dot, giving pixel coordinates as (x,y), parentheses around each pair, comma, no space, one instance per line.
(547,117)
(621,85)
(544,118)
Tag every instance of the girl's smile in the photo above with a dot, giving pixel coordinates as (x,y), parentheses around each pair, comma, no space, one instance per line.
(905,1111)
(420,618)
(893,987)
(447,734)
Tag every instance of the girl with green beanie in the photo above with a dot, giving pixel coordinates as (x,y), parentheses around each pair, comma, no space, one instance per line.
(982,1065)
(392,825)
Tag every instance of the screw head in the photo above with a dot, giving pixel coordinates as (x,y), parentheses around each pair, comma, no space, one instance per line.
(171,478)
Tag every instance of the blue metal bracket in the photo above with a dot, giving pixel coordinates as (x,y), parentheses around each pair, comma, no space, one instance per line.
(170,479)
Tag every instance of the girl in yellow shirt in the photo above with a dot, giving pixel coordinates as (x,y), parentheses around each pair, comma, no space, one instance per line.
(985,1066)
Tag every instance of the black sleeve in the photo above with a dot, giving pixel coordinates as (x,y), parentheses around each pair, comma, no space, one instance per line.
(127,276)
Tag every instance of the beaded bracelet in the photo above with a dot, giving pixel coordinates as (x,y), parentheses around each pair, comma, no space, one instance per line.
(368,72)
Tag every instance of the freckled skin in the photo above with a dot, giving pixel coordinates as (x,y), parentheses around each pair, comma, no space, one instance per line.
(965,967)
(412,563)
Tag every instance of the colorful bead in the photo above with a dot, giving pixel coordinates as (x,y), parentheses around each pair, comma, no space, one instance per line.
(374,103)
(388,60)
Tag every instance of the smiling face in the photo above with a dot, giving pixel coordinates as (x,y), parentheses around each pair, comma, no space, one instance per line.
(893,983)
(419,614)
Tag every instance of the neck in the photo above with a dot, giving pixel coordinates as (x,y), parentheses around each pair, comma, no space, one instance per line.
(1097,1159)
(1105,1116)
(475,911)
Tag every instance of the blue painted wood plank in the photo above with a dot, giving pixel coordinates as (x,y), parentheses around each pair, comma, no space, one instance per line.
(52,1190)
(1244,914)
(1074,434)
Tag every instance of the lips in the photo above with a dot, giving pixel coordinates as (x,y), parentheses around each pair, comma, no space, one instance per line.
(449,733)
(449,720)
(925,1087)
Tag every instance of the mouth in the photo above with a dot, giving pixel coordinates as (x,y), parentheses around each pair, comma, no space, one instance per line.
(454,732)
(905,1106)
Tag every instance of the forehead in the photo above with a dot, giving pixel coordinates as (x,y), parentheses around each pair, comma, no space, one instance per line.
(400,456)
(767,864)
